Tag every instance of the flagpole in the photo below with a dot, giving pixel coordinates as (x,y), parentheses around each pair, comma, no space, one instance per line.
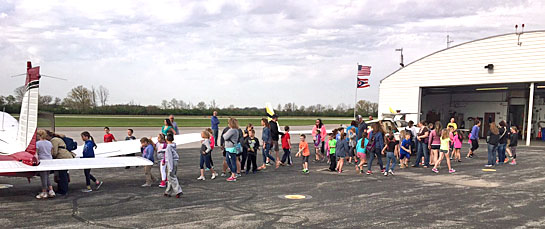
(356,94)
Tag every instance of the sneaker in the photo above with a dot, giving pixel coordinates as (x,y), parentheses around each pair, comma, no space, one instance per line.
(307,171)
(385,173)
(207,169)
(391,172)
(238,175)
(98,185)
(222,174)
(201,178)
(425,166)
(506,160)
(369,172)
(513,162)
(87,190)
(51,194)
(340,171)
(435,170)
(231,179)
(146,185)
(42,195)
(163,184)
(383,170)
(214,175)
(451,171)
(488,166)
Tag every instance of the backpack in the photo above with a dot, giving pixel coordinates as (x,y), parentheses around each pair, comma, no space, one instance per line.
(71,145)
(370,145)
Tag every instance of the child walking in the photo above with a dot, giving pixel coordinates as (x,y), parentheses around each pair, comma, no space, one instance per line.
(457,139)
(108,137)
(405,150)
(89,152)
(303,149)
(252,143)
(361,145)
(352,142)
(206,154)
(171,159)
(317,143)
(332,143)
(391,151)
(444,152)
(513,142)
(342,151)
(286,146)
(161,147)
(149,150)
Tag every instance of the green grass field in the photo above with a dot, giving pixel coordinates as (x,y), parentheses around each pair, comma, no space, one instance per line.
(183,121)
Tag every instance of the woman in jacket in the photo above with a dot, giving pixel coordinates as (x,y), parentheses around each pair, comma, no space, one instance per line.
(267,143)
(492,138)
(502,142)
(377,134)
(59,151)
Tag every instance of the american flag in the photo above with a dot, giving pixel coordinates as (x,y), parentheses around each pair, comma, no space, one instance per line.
(363,83)
(364,70)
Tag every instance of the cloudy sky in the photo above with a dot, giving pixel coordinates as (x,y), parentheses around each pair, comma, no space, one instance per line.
(243,53)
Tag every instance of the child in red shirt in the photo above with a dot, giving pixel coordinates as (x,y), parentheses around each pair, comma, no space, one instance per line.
(303,148)
(108,137)
(286,146)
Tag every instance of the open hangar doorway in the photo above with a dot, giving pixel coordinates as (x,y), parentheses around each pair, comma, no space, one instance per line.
(488,103)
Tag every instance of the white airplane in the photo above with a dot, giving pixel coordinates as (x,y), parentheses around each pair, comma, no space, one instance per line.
(18,155)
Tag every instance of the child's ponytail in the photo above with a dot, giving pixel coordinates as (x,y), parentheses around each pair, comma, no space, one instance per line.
(88,135)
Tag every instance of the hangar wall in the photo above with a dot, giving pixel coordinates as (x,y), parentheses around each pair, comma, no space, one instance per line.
(464,65)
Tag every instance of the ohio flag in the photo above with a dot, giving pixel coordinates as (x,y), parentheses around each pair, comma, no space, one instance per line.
(363,83)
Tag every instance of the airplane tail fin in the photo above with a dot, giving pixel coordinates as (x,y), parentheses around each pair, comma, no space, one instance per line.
(28,119)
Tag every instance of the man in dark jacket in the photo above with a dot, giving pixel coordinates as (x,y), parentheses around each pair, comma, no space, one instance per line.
(275,135)
(362,127)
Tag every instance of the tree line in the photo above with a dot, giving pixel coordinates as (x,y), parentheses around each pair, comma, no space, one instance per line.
(82,100)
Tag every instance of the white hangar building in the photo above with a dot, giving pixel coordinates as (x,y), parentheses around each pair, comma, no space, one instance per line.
(495,78)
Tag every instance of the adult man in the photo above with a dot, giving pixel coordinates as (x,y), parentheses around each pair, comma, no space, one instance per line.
(362,127)
(214,121)
(174,124)
(275,135)
(452,123)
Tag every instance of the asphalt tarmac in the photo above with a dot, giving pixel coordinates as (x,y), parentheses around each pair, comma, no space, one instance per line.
(510,197)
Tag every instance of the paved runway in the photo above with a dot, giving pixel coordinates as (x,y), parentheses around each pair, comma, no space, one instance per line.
(511,197)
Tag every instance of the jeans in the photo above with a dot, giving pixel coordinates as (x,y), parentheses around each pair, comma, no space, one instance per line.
(231,159)
(215,131)
(372,155)
(390,161)
(422,151)
(62,187)
(492,154)
(501,153)
(266,154)
(286,156)
(89,177)
(251,162)
(205,160)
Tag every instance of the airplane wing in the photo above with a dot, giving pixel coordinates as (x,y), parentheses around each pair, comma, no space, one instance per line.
(120,148)
(75,163)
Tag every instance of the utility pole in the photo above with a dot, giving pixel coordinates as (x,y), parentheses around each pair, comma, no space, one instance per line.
(449,41)
(401,61)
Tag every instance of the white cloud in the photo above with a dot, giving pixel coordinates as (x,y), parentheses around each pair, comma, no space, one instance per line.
(239,52)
